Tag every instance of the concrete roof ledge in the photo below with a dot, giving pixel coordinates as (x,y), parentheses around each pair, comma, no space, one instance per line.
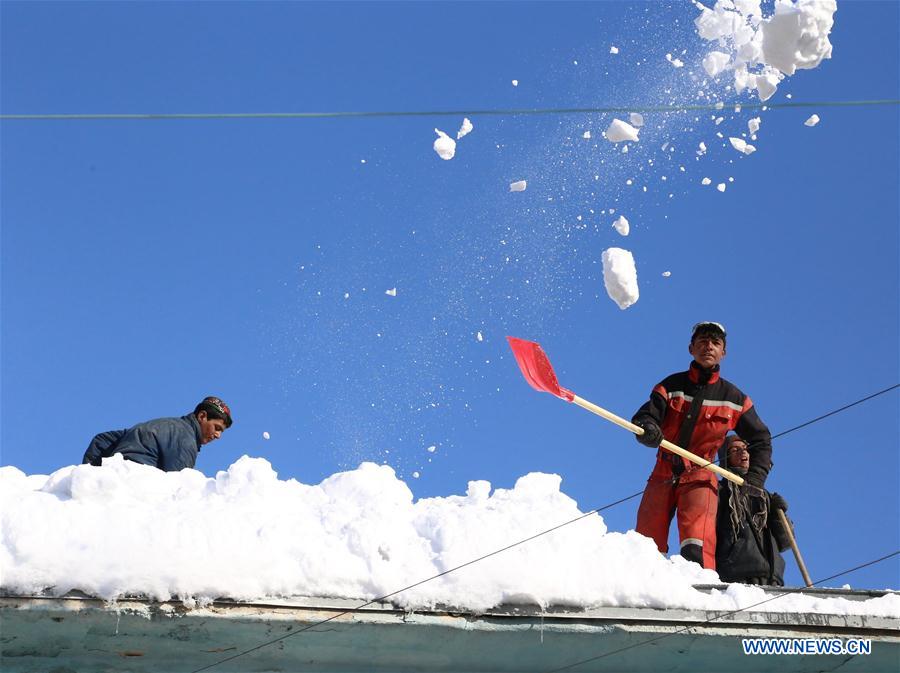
(85,634)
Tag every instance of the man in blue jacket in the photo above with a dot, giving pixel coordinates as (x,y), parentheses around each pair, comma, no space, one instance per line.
(170,444)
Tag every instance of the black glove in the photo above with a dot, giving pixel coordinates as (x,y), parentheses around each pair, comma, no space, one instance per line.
(778,529)
(755,479)
(778,502)
(652,434)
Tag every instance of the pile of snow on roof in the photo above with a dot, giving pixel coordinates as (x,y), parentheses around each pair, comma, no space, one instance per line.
(126,528)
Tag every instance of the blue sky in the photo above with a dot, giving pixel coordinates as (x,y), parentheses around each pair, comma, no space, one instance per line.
(146,264)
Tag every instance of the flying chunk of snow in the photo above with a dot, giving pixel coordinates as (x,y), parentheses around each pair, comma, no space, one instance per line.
(796,37)
(678,63)
(465,129)
(765,49)
(666,274)
(586,135)
(621,225)
(742,146)
(705,181)
(415,475)
(479,336)
(753,124)
(636,119)
(266,435)
(515,82)
(445,146)
(619,131)
(431,449)
(613,50)
(812,121)
(721,186)
(518,186)
(346,295)
(702,147)
(392,292)
(715,62)
(620,277)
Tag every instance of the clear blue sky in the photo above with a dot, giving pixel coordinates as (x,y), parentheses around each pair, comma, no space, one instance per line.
(146,264)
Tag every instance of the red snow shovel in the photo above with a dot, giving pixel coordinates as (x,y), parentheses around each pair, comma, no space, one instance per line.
(539,373)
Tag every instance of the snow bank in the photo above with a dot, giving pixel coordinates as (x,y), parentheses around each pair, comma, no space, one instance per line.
(620,277)
(760,50)
(126,528)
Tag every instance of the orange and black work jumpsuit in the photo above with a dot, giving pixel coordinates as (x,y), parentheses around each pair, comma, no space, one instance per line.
(695,410)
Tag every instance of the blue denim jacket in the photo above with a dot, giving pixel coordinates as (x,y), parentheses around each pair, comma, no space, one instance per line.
(171,444)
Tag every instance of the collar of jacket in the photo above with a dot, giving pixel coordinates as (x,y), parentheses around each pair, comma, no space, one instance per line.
(702,375)
(190,418)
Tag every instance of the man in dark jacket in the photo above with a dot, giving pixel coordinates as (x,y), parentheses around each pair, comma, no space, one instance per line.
(749,532)
(170,444)
(695,410)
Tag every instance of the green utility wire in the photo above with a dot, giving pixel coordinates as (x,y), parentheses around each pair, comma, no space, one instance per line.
(435,113)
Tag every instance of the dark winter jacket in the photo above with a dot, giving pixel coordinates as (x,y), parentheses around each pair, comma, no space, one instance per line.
(102,446)
(171,444)
(695,410)
(747,547)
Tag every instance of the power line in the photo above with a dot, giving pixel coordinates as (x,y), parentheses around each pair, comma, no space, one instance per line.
(520,542)
(832,413)
(430,113)
(724,614)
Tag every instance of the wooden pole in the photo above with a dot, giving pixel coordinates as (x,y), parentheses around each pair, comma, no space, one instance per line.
(790,533)
(666,444)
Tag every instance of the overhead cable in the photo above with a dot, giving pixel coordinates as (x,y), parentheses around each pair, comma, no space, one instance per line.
(429,113)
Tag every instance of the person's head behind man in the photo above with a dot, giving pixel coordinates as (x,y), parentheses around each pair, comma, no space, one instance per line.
(214,418)
(737,453)
(707,344)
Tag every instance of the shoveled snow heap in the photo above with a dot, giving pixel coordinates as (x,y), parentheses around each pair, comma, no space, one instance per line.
(620,277)
(126,528)
(761,50)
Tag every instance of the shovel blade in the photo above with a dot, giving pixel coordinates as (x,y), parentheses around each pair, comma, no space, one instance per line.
(536,368)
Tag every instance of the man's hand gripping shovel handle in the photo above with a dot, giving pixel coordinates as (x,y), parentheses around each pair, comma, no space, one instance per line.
(539,373)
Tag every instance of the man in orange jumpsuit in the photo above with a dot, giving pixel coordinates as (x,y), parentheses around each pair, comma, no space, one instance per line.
(695,409)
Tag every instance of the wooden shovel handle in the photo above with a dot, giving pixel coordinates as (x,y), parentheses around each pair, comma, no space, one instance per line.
(789,529)
(666,444)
